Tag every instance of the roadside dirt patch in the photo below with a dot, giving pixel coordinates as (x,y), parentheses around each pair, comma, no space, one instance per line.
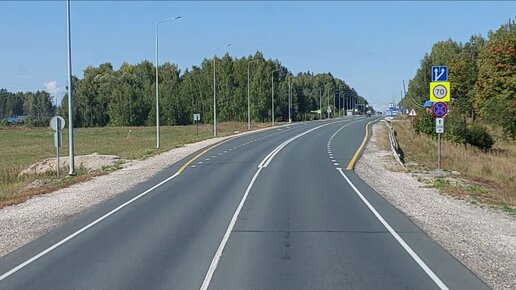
(90,163)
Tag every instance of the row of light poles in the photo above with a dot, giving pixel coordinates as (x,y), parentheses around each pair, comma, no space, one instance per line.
(349,103)
(214,89)
(70,90)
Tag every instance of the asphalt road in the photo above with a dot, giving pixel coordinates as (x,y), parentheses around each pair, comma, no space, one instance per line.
(271,210)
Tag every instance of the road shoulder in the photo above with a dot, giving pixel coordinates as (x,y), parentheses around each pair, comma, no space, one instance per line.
(27,221)
(482,238)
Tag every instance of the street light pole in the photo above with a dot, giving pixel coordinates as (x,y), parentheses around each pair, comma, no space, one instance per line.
(320,102)
(157,79)
(248,95)
(289,99)
(272,96)
(214,101)
(215,96)
(340,109)
(345,104)
(70,96)
(328,103)
(334,106)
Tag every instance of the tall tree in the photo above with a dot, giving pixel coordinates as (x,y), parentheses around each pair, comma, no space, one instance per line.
(495,96)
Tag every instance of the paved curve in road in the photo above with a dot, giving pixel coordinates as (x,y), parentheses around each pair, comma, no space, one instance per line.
(270,210)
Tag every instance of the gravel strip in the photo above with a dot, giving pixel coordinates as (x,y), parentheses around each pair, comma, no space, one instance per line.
(482,238)
(22,223)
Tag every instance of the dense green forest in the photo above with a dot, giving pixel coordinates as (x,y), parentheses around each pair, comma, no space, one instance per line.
(38,105)
(126,97)
(482,73)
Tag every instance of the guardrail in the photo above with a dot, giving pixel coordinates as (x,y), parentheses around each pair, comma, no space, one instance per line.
(395,148)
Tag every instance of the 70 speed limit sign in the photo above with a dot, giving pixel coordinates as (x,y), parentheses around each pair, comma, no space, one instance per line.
(439,92)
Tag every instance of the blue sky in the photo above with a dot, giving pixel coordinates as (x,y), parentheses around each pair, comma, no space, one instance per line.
(373,46)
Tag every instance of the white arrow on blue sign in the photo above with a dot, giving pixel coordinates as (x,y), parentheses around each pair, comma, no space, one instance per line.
(439,73)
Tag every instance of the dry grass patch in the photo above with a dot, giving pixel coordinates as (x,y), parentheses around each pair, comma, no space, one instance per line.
(489,177)
(382,137)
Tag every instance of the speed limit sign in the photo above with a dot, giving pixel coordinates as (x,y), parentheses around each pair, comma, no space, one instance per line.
(440,92)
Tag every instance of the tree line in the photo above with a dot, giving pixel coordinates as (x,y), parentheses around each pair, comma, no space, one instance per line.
(38,105)
(126,97)
(482,73)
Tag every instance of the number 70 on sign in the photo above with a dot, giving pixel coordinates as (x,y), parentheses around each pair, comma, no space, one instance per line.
(440,92)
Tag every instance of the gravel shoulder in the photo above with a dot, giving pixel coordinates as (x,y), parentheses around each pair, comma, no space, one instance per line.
(24,222)
(481,237)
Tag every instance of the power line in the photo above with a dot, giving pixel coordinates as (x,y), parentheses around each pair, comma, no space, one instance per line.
(408,94)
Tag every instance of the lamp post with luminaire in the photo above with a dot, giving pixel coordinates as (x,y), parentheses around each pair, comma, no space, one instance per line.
(272,96)
(157,79)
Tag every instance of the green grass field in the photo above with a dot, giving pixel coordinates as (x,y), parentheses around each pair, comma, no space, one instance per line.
(21,147)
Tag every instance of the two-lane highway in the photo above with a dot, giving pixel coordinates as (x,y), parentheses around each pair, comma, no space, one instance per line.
(270,210)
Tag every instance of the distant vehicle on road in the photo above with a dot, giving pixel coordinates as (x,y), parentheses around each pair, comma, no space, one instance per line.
(15,119)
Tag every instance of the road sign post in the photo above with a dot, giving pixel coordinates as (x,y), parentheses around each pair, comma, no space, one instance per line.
(197,118)
(57,123)
(440,95)
(439,129)
(412,114)
(439,151)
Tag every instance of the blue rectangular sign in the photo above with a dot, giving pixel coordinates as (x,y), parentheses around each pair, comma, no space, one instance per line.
(439,74)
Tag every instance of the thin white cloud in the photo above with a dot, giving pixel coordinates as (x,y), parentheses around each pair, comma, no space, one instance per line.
(55,91)
(53,88)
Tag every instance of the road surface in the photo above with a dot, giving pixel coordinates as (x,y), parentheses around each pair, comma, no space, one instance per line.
(276,209)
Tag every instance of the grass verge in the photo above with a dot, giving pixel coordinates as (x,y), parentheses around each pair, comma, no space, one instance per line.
(483,177)
(22,147)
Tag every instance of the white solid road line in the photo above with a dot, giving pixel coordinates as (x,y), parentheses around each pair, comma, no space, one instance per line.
(81,230)
(268,159)
(405,246)
(78,232)
(265,162)
(227,234)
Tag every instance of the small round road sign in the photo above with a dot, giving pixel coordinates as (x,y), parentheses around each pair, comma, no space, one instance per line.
(54,121)
(440,110)
(440,92)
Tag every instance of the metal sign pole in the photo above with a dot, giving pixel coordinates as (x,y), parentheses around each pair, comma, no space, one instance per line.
(70,93)
(439,151)
(58,132)
(412,128)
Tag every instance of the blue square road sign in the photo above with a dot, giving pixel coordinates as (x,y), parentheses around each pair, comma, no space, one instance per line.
(439,73)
